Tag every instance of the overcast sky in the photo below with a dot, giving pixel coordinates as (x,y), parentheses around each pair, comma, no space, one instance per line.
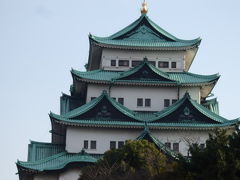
(40,40)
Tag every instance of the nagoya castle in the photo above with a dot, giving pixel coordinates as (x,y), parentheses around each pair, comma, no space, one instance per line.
(137,85)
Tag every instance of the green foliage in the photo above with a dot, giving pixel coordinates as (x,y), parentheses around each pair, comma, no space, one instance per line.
(219,160)
(136,160)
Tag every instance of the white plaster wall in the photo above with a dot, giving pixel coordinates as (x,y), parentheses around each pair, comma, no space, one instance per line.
(130,95)
(183,137)
(76,135)
(71,174)
(103,136)
(109,54)
(194,92)
(94,90)
(45,177)
(157,96)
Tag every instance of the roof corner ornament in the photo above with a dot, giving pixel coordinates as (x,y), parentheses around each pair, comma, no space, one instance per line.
(144,8)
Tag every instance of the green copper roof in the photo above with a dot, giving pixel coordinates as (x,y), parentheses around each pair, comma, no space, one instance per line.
(147,135)
(145,73)
(192,104)
(40,150)
(72,115)
(185,113)
(55,162)
(144,33)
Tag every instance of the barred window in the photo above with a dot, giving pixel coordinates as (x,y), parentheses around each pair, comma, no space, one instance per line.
(147,102)
(139,102)
(123,63)
(174,65)
(121,101)
(85,144)
(113,62)
(176,147)
(163,64)
(136,63)
(166,102)
(120,144)
(93,144)
(112,144)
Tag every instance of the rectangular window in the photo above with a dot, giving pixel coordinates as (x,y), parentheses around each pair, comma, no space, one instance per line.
(120,144)
(139,102)
(114,98)
(85,144)
(202,146)
(166,102)
(147,102)
(153,62)
(92,98)
(112,144)
(174,65)
(113,62)
(136,63)
(174,100)
(168,144)
(121,101)
(163,64)
(176,147)
(123,63)
(93,145)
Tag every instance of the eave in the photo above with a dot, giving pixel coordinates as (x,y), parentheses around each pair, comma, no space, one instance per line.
(151,125)
(147,48)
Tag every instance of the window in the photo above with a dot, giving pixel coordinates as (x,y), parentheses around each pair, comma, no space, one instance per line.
(123,63)
(174,65)
(120,144)
(152,62)
(176,147)
(168,144)
(113,62)
(166,102)
(174,100)
(112,144)
(93,145)
(147,102)
(121,100)
(202,146)
(139,102)
(135,63)
(85,144)
(163,64)
(114,98)
(92,98)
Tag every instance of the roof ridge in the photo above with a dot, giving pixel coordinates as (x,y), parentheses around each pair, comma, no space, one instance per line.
(46,159)
(137,68)
(161,36)
(207,112)
(86,107)
(44,143)
(203,75)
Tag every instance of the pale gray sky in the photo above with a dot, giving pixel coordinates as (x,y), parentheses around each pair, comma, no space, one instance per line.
(40,40)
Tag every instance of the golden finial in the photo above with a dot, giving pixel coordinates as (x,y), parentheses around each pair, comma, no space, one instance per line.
(144,8)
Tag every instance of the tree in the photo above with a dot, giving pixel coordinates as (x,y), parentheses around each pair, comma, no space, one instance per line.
(138,159)
(219,160)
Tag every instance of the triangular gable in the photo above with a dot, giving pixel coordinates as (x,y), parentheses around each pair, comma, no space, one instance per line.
(144,29)
(146,134)
(188,111)
(145,72)
(103,108)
